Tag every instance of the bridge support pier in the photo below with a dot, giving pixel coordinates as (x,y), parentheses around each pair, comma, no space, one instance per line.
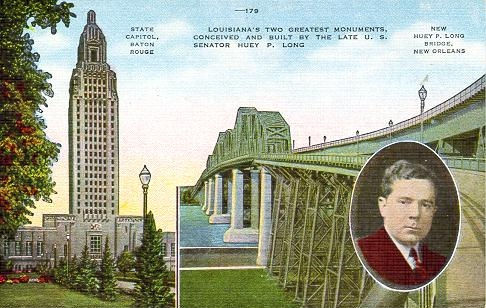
(218,217)
(236,233)
(206,196)
(255,198)
(264,235)
(209,209)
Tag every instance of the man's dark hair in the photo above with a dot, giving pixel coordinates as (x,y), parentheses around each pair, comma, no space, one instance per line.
(404,170)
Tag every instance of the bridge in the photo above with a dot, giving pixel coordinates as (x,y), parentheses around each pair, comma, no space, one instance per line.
(293,203)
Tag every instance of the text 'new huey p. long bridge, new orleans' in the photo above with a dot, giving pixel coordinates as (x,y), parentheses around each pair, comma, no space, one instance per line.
(294,203)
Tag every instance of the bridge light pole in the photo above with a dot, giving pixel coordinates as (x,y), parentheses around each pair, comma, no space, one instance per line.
(324,139)
(357,142)
(422,95)
(309,140)
(145,180)
(390,124)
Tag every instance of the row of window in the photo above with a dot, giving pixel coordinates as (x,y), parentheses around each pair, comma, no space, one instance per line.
(95,176)
(95,117)
(95,154)
(93,88)
(95,197)
(172,249)
(91,124)
(94,95)
(27,251)
(94,246)
(94,139)
(98,184)
(91,144)
(90,197)
(99,132)
(96,212)
(95,80)
(98,109)
(95,204)
(95,168)
(92,189)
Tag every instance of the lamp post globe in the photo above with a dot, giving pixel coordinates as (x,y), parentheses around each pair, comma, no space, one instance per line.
(422,95)
(145,177)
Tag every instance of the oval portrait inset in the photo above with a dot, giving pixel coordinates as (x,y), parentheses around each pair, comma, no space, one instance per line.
(405,216)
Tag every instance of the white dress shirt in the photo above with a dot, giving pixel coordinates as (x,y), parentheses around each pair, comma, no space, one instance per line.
(405,251)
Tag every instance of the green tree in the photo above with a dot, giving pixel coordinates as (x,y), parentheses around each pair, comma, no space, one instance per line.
(186,197)
(60,273)
(125,262)
(73,276)
(108,283)
(26,155)
(86,280)
(152,290)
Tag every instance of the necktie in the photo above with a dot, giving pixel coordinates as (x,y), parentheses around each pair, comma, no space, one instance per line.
(419,268)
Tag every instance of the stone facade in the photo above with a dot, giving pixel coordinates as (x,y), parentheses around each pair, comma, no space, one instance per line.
(61,235)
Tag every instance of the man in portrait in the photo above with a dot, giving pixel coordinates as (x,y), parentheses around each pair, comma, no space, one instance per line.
(407,203)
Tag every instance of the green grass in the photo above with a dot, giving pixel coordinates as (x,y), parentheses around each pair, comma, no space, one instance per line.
(50,295)
(231,289)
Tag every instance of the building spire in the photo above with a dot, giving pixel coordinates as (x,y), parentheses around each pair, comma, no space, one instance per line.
(91,17)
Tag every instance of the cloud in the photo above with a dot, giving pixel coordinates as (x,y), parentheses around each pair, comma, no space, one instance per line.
(173,29)
(45,42)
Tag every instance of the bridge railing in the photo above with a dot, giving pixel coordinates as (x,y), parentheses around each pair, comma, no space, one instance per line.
(354,161)
(350,161)
(456,100)
(466,163)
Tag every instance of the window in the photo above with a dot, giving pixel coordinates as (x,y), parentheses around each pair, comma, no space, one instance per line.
(28,248)
(164,249)
(172,249)
(95,244)
(6,248)
(17,248)
(40,248)
(94,55)
(125,248)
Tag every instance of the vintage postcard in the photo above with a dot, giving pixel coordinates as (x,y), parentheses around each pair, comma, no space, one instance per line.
(242,154)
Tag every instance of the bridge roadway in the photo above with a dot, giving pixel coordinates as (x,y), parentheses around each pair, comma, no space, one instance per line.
(294,203)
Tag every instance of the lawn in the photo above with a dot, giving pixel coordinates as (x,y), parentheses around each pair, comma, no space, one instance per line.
(231,289)
(50,295)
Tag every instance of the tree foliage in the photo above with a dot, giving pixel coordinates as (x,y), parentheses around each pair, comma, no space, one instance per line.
(126,262)
(26,154)
(61,273)
(85,275)
(186,197)
(108,283)
(152,290)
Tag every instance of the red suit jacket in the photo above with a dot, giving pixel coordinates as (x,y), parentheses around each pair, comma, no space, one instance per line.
(381,254)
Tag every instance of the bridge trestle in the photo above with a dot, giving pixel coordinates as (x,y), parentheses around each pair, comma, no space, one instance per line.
(312,254)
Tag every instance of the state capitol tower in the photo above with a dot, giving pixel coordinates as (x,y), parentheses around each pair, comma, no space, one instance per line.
(93,131)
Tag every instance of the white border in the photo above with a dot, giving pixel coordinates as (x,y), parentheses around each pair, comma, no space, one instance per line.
(351,209)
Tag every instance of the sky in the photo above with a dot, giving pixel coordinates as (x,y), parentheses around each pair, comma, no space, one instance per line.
(173,103)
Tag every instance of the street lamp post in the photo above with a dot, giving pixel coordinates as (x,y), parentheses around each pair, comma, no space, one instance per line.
(68,236)
(145,180)
(324,139)
(422,95)
(357,142)
(390,124)
(55,255)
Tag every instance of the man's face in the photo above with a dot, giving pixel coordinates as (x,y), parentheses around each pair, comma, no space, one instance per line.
(409,210)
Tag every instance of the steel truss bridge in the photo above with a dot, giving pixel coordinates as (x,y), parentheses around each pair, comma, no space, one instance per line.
(295,202)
